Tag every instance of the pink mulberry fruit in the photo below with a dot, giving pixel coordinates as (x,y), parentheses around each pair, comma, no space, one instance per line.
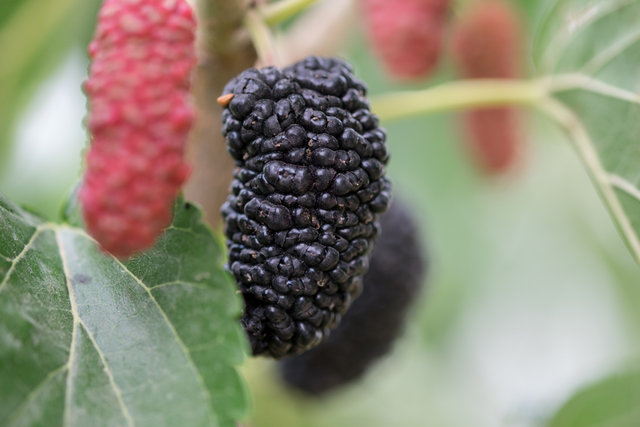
(407,34)
(139,117)
(486,44)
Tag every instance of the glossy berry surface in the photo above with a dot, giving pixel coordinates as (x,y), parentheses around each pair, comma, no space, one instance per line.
(139,117)
(370,327)
(486,44)
(309,185)
(407,35)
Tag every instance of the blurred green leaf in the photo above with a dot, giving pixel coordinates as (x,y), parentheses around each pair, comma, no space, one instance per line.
(88,340)
(7,7)
(591,48)
(35,36)
(613,402)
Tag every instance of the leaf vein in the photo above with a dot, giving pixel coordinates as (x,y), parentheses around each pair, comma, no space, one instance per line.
(33,394)
(68,395)
(622,184)
(22,216)
(179,282)
(607,55)
(181,344)
(587,153)
(580,19)
(573,81)
(21,255)
(185,229)
(109,372)
(78,320)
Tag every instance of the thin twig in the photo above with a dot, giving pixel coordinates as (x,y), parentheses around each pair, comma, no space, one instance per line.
(262,39)
(224,50)
(275,13)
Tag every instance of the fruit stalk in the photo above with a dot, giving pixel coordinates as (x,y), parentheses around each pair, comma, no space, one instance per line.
(262,39)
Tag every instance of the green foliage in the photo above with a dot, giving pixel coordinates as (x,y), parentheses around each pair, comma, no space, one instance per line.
(7,8)
(88,340)
(590,52)
(612,402)
(34,37)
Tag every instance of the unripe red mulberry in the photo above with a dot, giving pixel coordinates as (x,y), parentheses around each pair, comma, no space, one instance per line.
(487,44)
(139,117)
(406,34)
(493,136)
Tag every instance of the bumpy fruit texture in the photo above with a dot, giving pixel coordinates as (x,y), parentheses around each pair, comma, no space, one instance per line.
(307,191)
(487,44)
(376,318)
(407,35)
(139,117)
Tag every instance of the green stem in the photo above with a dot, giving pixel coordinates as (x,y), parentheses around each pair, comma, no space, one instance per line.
(224,50)
(262,38)
(459,95)
(274,13)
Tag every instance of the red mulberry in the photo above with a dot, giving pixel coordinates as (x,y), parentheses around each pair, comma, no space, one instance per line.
(307,191)
(376,318)
(407,34)
(486,44)
(139,117)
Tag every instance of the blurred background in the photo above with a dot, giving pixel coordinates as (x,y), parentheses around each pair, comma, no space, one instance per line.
(531,294)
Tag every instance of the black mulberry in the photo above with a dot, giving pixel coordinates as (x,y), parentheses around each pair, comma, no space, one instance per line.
(375,319)
(307,190)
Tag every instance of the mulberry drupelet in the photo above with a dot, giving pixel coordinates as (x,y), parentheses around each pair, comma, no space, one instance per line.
(376,319)
(307,191)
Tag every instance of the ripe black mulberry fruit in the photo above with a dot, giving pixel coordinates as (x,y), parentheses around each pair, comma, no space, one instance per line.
(376,318)
(307,191)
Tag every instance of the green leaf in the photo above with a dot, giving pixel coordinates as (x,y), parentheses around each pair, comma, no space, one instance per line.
(590,51)
(88,340)
(613,402)
(6,10)
(35,36)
